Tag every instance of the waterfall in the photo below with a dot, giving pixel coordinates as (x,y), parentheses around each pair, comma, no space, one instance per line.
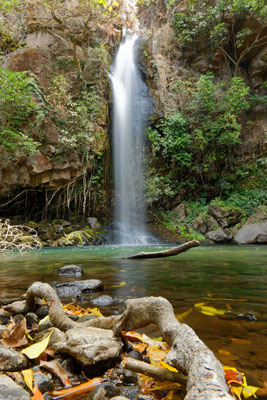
(131,107)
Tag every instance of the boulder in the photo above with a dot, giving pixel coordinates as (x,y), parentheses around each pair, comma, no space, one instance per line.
(70,270)
(90,345)
(252,233)
(180,212)
(9,390)
(94,224)
(225,217)
(220,235)
(12,360)
(105,300)
(76,288)
(204,224)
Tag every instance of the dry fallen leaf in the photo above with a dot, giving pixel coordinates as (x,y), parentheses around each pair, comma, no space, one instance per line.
(59,371)
(37,395)
(77,390)
(36,349)
(17,337)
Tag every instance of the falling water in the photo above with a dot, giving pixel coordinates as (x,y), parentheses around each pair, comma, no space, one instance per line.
(131,107)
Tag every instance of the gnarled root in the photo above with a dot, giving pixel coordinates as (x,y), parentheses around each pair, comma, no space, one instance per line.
(188,353)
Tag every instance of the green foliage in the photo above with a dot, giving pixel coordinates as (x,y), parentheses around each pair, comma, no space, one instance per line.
(17,106)
(214,24)
(206,20)
(198,142)
(245,201)
(171,139)
(213,111)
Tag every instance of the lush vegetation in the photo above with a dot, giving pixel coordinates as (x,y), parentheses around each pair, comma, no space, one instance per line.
(195,149)
(17,107)
(227,24)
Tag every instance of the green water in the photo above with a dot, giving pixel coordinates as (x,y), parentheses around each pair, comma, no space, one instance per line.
(226,277)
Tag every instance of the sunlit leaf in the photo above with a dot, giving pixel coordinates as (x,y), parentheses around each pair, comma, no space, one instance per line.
(59,371)
(250,391)
(155,354)
(78,390)
(224,352)
(120,284)
(43,320)
(139,337)
(182,316)
(115,4)
(140,346)
(167,366)
(233,377)
(95,311)
(209,310)
(28,378)
(37,395)
(240,341)
(36,349)
(237,390)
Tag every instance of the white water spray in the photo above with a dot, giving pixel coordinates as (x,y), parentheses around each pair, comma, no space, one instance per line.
(130,111)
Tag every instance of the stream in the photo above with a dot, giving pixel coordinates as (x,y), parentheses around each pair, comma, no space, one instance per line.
(231,278)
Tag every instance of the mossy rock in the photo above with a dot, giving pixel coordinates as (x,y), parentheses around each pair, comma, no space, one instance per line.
(78,238)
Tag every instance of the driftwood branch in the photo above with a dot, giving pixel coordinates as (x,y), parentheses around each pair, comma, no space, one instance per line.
(166,253)
(158,373)
(188,353)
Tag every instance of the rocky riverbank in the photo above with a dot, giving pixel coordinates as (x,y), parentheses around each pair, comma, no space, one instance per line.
(216,223)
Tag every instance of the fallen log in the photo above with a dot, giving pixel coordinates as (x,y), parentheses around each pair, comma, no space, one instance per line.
(188,354)
(158,373)
(166,253)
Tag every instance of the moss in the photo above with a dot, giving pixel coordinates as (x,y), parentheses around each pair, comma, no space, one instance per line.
(82,237)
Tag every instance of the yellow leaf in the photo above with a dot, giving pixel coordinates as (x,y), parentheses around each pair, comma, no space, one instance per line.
(199,305)
(225,352)
(237,390)
(120,284)
(36,349)
(95,311)
(231,368)
(249,391)
(28,378)
(182,316)
(240,341)
(115,4)
(209,310)
(43,320)
(167,366)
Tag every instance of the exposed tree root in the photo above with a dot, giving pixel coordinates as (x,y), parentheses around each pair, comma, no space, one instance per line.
(166,253)
(158,373)
(188,353)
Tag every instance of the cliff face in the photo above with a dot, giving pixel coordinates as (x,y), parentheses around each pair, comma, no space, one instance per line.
(66,53)
(169,61)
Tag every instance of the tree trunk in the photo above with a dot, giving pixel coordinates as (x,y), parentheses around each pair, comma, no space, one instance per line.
(166,253)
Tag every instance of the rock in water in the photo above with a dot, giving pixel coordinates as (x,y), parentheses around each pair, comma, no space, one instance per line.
(70,270)
(76,288)
(220,235)
(252,233)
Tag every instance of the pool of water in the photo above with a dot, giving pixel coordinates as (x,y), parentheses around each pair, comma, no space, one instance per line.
(229,278)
